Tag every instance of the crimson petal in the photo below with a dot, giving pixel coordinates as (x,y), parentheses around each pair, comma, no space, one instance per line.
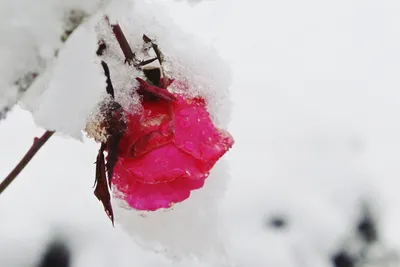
(155,91)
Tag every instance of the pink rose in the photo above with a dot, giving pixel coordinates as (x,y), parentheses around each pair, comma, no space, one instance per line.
(167,151)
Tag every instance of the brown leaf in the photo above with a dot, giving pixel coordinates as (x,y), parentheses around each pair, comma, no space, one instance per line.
(160,55)
(153,75)
(146,39)
(146,62)
(160,58)
(102,190)
(112,156)
(115,127)
(109,87)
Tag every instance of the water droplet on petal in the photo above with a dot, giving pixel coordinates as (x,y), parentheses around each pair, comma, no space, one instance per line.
(202,112)
(184,112)
(189,146)
(184,123)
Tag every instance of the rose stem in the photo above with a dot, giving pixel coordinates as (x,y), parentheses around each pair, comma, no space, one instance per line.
(37,144)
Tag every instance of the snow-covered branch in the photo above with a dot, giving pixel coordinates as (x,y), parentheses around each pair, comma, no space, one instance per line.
(32,33)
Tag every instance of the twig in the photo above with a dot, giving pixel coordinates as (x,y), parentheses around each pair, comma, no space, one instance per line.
(147,62)
(126,49)
(130,55)
(37,144)
(159,55)
(160,58)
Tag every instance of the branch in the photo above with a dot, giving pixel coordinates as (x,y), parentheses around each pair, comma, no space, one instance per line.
(37,144)
(159,55)
(72,20)
(123,43)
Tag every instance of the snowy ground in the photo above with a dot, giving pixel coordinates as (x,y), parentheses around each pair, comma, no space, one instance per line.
(317,133)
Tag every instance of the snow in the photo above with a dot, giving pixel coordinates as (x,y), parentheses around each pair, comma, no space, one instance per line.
(315,122)
(189,229)
(71,95)
(32,33)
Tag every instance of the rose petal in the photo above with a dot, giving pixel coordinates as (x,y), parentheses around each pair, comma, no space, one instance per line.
(155,117)
(153,140)
(162,165)
(195,133)
(155,196)
(167,151)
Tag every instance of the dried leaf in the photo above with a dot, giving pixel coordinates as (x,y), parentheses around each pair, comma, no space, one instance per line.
(160,55)
(112,157)
(102,190)
(146,39)
(153,75)
(146,62)
(109,87)
(160,58)
(115,127)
